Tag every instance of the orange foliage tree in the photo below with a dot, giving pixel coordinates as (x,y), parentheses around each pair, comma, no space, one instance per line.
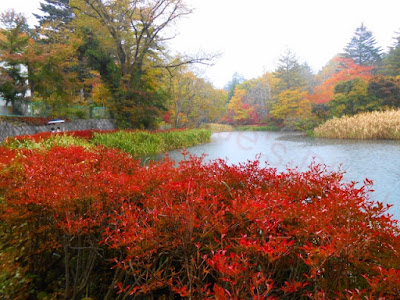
(347,70)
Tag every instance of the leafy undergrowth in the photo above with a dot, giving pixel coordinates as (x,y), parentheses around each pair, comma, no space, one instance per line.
(95,223)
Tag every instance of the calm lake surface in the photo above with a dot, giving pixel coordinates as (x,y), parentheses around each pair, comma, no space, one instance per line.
(375,160)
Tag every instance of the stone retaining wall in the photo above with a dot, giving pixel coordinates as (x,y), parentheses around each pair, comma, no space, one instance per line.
(8,129)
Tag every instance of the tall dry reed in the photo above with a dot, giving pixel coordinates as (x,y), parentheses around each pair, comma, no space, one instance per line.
(364,126)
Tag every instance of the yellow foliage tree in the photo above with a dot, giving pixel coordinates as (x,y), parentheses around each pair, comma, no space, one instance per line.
(292,107)
(193,100)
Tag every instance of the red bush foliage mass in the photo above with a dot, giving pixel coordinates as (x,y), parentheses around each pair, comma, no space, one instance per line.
(100,224)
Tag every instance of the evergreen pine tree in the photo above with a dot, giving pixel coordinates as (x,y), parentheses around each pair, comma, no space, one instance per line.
(55,11)
(290,72)
(362,48)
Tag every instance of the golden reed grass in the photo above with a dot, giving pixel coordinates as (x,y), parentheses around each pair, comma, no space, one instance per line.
(372,125)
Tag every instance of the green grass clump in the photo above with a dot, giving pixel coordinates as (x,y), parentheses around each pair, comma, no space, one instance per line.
(364,126)
(139,143)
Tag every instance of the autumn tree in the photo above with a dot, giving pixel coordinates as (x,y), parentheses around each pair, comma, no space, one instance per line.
(41,63)
(184,89)
(208,105)
(238,110)
(258,91)
(293,108)
(135,34)
(362,48)
(14,39)
(51,79)
(59,27)
(345,70)
(258,97)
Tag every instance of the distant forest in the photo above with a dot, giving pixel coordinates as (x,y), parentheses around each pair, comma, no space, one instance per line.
(115,55)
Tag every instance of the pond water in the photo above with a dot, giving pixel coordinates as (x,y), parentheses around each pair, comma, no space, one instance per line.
(378,160)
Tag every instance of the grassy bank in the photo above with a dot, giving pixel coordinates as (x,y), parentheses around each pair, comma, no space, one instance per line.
(140,143)
(372,125)
(136,143)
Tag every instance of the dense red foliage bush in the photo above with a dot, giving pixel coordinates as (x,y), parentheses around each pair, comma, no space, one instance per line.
(100,224)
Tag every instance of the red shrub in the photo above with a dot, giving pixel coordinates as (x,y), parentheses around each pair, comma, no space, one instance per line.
(211,231)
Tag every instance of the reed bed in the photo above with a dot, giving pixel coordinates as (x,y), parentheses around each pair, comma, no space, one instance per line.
(139,143)
(364,126)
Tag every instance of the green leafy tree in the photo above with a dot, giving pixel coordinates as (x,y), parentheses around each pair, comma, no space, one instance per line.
(14,40)
(362,48)
(352,97)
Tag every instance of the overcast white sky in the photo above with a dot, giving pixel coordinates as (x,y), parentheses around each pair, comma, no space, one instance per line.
(251,34)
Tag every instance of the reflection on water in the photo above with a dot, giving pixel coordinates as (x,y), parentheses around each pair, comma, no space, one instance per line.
(376,160)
